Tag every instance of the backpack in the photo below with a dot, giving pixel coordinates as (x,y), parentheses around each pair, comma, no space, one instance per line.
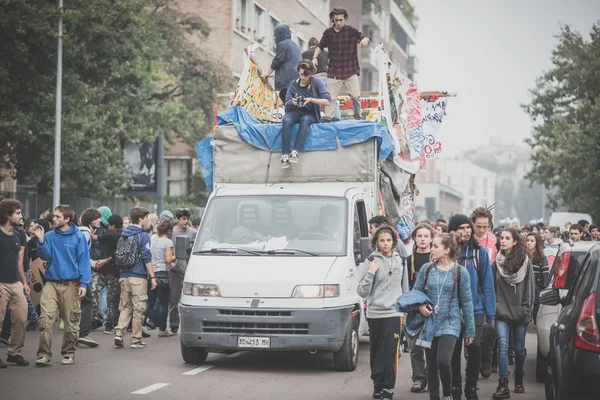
(127,254)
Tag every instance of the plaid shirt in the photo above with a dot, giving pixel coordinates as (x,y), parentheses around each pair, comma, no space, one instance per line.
(343,54)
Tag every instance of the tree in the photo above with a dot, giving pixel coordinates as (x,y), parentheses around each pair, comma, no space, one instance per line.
(565,107)
(129,73)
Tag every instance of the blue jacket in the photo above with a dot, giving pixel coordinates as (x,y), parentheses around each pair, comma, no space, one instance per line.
(287,57)
(67,255)
(316,88)
(484,294)
(417,323)
(143,246)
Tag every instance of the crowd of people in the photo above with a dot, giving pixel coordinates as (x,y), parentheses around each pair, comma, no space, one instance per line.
(457,282)
(129,262)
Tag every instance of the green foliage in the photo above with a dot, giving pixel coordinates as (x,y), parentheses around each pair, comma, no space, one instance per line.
(566,108)
(130,72)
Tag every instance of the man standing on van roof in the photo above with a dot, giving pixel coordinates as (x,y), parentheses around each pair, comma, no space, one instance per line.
(341,40)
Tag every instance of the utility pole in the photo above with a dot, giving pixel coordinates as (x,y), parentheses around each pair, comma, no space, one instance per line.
(161,184)
(57,137)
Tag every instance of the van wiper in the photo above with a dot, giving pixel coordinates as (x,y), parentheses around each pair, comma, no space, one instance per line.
(291,251)
(226,250)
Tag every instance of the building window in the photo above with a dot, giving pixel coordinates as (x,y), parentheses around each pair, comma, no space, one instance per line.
(274,23)
(242,16)
(258,33)
(178,173)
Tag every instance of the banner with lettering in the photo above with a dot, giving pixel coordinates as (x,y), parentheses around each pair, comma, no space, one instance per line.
(433,110)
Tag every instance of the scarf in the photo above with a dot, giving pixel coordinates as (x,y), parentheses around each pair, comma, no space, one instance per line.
(511,279)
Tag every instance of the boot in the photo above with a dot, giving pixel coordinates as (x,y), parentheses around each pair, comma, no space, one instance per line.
(486,369)
(519,387)
(502,391)
(471,393)
(456,392)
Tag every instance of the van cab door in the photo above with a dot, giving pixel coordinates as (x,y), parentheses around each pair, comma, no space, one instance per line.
(360,235)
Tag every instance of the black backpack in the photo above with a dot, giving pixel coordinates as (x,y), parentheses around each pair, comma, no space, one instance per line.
(127,253)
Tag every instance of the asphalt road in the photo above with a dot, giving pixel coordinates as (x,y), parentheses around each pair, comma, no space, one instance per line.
(158,372)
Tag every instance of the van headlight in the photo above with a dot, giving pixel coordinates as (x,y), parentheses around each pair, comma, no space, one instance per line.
(201,290)
(316,291)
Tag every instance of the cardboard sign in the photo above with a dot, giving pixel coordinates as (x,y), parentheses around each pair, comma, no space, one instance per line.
(37,270)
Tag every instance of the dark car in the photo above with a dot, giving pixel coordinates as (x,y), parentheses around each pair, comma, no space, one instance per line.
(574,356)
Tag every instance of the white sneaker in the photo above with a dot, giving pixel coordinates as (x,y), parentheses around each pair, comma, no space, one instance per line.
(165,333)
(68,361)
(294,156)
(285,161)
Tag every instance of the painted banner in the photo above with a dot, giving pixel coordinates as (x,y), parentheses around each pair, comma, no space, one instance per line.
(254,94)
(433,110)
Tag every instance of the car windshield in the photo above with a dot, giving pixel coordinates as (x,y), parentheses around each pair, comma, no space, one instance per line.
(290,225)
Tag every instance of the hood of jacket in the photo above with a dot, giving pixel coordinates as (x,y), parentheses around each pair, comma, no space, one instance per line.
(132,230)
(105,214)
(73,229)
(556,245)
(282,32)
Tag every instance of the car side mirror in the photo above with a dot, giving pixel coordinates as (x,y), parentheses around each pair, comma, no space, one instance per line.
(551,297)
(182,248)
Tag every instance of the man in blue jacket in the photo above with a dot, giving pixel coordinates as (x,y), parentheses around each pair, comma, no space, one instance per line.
(477,263)
(287,57)
(68,275)
(134,281)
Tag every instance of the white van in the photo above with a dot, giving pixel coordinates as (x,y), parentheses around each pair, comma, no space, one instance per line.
(561,218)
(274,265)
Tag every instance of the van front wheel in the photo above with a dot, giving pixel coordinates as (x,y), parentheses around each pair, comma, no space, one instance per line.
(193,355)
(346,358)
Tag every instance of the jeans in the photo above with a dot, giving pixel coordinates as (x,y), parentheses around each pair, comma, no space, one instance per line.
(175,287)
(417,360)
(519,331)
(103,304)
(439,359)
(158,301)
(473,361)
(289,120)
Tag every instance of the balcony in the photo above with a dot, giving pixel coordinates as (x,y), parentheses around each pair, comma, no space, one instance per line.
(373,18)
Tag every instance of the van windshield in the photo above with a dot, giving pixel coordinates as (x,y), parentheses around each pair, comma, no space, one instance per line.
(297,225)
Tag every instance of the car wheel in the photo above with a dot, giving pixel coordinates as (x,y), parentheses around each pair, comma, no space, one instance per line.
(346,358)
(193,355)
(541,367)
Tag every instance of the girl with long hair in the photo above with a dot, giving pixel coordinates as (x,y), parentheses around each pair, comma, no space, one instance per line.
(382,279)
(541,273)
(448,285)
(515,292)
(422,235)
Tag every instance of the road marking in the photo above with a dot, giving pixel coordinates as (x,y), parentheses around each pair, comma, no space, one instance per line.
(151,388)
(198,370)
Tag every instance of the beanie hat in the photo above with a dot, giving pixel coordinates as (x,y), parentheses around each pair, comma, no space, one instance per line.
(457,220)
(168,215)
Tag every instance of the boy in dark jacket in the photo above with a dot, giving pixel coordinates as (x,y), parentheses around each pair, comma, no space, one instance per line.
(111,272)
(287,56)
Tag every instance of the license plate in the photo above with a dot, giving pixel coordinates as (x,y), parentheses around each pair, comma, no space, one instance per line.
(254,342)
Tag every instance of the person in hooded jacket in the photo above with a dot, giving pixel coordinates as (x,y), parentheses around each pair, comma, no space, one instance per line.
(287,57)
(551,243)
(382,280)
(68,275)
(100,261)
(515,291)
(535,250)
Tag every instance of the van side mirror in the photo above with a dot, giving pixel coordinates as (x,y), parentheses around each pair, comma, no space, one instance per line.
(550,297)
(183,248)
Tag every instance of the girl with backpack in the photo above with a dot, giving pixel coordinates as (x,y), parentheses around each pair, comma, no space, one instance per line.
(382,279)
(423,237)
(515,292)
(541,273)
(448,285)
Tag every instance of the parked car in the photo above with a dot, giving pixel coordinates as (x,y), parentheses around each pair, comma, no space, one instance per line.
(563,271)
(574,356)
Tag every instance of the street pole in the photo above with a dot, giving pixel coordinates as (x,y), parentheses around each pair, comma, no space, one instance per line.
(161,184)
(57,137)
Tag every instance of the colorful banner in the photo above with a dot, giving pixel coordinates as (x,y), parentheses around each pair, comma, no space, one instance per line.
(254,94)
(433,109)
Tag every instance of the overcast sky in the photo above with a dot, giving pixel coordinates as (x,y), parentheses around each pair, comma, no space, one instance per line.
(490,52)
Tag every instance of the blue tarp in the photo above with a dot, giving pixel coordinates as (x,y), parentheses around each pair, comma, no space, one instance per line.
(320,137)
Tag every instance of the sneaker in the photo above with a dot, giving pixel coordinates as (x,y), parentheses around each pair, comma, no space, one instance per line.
(68,361)
(418,387)
(471,393)
(285,161)
(293,157)
(43,362)
(376,394)
(387,394)
(119,341)
(89,342)
(2,365)
(18,359)
(145,332)
(138,345)
(174,329)
(109,330)
(165,333)
(4,341)
(97,323)
(150,324)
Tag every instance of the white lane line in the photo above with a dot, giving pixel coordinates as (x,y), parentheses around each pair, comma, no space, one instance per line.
(151,388)
(198,370)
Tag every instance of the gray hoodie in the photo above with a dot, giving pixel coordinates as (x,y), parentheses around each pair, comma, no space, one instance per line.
(382,288)
(551,250)
(514,303)
(287,57)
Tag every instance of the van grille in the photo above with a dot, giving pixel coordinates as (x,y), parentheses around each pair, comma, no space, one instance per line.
(256,313)
(252,328)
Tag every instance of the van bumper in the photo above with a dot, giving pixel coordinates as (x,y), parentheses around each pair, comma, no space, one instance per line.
(218,329)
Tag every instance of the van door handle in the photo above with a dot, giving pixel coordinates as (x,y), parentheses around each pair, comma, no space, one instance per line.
(560,328)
